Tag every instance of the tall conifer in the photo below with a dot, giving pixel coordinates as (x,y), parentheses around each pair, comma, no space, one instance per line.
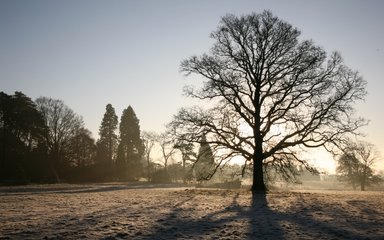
(107,143)
(205,161)
(131,148)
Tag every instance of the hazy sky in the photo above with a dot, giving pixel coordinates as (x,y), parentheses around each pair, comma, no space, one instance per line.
(91,53)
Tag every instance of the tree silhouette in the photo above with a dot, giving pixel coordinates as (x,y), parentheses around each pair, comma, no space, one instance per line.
(62,125)
(130,148)
(82,149)
(22,138)
(186,149)
(269,93)
(149,139)
(204,162)
(107,143)
(166,143)
(355,165)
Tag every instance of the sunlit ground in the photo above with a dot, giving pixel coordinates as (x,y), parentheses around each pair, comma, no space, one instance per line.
(115,211)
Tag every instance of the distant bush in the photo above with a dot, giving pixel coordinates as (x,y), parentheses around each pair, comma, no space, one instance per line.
(161,176)
(234,184)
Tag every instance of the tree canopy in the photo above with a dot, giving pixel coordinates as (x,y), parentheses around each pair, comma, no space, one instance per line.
(62,123)
(22,137)
(46,141)
(269,93)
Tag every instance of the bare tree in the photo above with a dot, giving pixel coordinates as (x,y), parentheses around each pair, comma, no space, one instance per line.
(187,156)
(355,164)
(62,124)
(82,148)
(149,140)
(268,94)
(166,143)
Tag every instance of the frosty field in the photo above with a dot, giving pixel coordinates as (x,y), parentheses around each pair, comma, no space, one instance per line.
(119,211)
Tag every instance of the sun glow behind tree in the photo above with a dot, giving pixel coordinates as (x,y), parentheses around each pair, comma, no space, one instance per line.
(290,92)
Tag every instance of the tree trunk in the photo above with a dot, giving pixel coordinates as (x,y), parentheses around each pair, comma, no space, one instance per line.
(258,185)
(110,150)
(184,173)
(362,180)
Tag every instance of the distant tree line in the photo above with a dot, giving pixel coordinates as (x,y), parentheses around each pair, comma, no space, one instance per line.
(46,141)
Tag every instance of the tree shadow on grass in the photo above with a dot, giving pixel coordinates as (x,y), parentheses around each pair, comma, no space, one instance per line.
(227,223)
(259,221)
(263,222)
(195,215)
(327,219)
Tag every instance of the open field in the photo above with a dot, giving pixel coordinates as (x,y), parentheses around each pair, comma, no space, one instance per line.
(117,211)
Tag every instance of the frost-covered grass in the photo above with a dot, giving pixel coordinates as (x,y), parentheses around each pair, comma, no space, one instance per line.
(117,211)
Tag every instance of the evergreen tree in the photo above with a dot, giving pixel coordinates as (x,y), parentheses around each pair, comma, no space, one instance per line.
(22,138)
(205,161)
(131,148)
(107,144)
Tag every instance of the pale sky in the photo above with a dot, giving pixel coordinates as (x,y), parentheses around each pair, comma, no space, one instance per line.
(90,53)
